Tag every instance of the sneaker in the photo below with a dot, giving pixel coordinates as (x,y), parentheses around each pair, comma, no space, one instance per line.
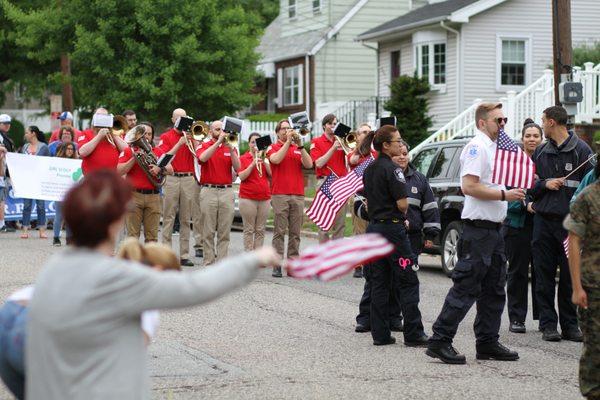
(276,272)
(550,335)
(7,229)
(185,262)
(199,253)
(357,272)
(517,327)
(56,242)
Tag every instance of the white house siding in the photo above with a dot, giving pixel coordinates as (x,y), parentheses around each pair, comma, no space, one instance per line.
(345,69)
(305,19)
(442,103)
(531,18)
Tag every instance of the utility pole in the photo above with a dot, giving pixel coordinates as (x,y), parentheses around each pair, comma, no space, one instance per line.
(67,90)
(562,46)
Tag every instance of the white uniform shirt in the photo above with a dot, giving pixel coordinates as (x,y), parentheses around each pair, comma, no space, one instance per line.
(477,158)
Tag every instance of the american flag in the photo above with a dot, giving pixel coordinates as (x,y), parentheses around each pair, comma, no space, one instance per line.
(566,246)
(346,186)
(324,208)
(512,167)
(335,258)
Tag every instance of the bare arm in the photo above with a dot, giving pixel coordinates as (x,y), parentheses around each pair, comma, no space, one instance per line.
(305,157)
(579,295)
(472,187)
(280,154)
(235,159)
(402,205)
(208,153)
(90,146)
(124,168)
(120,143)
(324,159)
(246,172)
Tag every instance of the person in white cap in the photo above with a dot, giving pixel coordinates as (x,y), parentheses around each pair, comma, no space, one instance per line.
(66,119)
(6,145)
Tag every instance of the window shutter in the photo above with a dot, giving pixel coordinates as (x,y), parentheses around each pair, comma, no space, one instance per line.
(300,84)
(279,87)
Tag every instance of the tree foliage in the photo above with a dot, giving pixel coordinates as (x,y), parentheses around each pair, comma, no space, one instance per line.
(148,55)
(409,104)
(586,53)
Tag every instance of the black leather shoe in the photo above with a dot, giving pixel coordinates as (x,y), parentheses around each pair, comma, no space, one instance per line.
(186,262)
(574,335)
(360,328)
(550,335)
(276,272)
(419,342)
(446,353)
(357,272)
(391,340)
(199,253)
(397,326)
(495,351)
(7,229)
(517,327)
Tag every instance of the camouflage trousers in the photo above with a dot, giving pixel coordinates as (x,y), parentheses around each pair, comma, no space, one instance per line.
(589,365)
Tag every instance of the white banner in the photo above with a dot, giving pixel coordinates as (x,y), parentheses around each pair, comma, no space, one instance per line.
(42,178)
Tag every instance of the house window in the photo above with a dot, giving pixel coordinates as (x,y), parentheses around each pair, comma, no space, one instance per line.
(291,85)
(292,9)
(430,61)
(316,6)
(395,64)
(513,62)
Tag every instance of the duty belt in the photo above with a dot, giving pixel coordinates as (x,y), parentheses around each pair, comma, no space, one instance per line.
(147,191)
(482,223)
(216,186)
(182,174)
(388,221)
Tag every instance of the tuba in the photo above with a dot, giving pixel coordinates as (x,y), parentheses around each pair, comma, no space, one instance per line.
(199,131)
(144,157)
(119,128)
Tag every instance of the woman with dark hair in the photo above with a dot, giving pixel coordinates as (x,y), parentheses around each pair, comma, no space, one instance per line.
(385,190)
(35,146)
(66,134)
(255,195)
(83,333)
(64,150)
(518,234)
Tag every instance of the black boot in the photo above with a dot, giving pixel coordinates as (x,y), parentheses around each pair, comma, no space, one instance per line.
(495,351)
(445,352)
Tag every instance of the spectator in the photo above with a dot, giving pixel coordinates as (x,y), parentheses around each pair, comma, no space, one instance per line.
(66,119)
(35,146)
(6,145)
(67,135)
(65,150)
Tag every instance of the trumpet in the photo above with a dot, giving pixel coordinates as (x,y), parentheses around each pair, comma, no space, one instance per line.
(298,135)
(119,128)
(198,132)
(232,139)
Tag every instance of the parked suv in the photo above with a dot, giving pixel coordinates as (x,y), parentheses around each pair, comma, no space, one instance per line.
(440,163)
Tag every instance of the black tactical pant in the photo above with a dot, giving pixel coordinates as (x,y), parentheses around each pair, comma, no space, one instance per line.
(479,276)
(518,253)
(548,253)
(364,308)
(387,276)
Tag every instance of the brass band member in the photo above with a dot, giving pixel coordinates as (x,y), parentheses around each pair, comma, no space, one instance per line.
(178,190)
(217,157)
(287,188)
(329,158)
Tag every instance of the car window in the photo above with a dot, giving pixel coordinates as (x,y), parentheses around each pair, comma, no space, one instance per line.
(423,160)
(443,163)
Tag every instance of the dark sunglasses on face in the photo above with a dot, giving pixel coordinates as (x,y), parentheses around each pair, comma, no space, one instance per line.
(501,120)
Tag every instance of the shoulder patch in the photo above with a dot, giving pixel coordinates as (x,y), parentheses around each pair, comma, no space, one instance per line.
(399,175)
(473,151)
(414,190)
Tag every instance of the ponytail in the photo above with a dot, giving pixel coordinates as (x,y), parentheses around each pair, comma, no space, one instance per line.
(365,145)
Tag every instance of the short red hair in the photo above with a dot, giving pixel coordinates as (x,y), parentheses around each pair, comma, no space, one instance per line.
(94,204)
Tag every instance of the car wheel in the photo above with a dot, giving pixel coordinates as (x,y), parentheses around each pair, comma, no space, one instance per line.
(450,246)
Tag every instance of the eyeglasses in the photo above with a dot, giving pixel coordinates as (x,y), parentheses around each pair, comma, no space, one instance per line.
(218,129)
(394,141)
(501,120)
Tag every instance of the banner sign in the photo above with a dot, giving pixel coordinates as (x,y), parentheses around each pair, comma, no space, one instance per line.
(13,209)
(42,178)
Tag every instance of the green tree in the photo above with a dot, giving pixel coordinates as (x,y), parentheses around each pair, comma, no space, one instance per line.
(266,9)
(586,53)
(148,55)
(409,104)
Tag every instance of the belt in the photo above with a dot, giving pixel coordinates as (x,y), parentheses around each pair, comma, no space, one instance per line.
(182,174)
(482,223)
(216,186)
(147,191)
(388,221)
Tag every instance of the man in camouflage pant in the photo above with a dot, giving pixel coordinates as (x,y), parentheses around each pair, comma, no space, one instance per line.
(583,224)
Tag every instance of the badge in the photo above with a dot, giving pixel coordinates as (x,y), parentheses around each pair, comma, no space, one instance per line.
(399,175)
(297,152)
(227,154)
(472,152)
(568,166)
(414,190)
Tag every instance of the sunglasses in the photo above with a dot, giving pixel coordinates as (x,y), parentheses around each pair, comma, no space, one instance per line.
(501,120)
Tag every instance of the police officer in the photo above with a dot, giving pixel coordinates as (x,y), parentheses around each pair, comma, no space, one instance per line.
(584,232)
(480,273)
(554,160)
(385,190)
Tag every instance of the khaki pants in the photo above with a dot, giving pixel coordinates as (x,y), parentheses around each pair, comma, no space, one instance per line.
(218,208)
(289,214)
(197,218)
(339,224)
(178,194)
(254,215)
(146,213)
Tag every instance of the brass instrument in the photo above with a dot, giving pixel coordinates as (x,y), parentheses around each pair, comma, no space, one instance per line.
(145,158)
(198,131)
(119,128)
(350,141)
(258,160)
(232,139)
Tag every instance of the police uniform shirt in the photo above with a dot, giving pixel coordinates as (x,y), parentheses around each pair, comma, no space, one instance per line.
(384,185)
(477,158)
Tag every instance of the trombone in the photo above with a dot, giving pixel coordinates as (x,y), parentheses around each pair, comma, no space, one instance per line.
(348,143)
(198,132)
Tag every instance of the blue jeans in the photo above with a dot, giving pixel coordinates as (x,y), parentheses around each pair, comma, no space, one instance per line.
(58,218)
(41,212)
(13,317)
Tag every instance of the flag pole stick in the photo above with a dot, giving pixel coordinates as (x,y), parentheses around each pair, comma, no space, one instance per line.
(581,165)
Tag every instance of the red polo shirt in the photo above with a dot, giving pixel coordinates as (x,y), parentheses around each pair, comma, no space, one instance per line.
(136,175)
(184,159)
(217,169)
(287,177)
(54,137)
(104,156)
(337,162)
(254,187)
(361,159)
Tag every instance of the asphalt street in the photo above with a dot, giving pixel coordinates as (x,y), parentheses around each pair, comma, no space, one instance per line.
(284,338)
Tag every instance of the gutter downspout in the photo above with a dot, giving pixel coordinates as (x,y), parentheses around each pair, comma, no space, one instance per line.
(307,83)
(377,77)
(458,70)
